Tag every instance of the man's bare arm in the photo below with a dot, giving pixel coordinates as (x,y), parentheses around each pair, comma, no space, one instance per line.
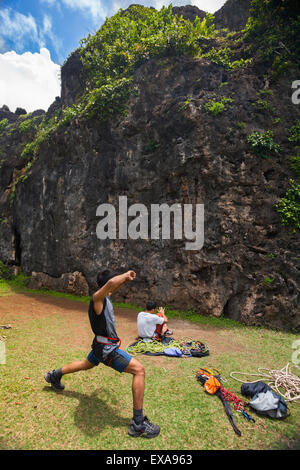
(161,310)
(111,286)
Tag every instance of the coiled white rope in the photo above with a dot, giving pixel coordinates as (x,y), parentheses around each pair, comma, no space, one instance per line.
(278,380)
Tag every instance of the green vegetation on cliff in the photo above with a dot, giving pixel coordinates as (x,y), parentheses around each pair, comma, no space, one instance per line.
(273,31)
(289,207)
(124,42)
(262,143)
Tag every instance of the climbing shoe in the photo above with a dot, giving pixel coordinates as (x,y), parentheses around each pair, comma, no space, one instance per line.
(145,429)
(168,332)
(53,378)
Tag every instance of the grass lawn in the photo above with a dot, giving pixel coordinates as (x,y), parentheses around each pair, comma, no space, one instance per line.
(51,329)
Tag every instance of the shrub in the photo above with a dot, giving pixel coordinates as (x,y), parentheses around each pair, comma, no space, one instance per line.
(216,107)
(294,163)
(151,147)
(108,100)
(220,57)
(68,115)
(262,142)
(265,91)
(273,28)
(289,207)
(27,125)
(264,105)
(46,127)
(4,271)
(223,57)
(3,123)
(268,280)
(186,103)
(29,150)
(294,132)
(241,124)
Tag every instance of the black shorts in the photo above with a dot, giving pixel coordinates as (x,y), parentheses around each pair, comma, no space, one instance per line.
(117,360)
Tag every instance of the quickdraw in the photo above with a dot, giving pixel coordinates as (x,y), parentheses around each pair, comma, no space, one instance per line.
(248,417)
(238,403)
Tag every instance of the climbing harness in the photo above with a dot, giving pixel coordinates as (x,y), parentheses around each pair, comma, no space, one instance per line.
(283,381)
(238,403)
(106,340)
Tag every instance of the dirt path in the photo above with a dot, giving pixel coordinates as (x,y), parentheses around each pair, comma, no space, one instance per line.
(19,309)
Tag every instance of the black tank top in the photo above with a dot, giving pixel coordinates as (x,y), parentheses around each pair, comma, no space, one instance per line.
(103,325)
(98,322)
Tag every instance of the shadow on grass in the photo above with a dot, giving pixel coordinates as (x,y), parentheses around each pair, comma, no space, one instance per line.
(292,444)
(93,414)
(9,444)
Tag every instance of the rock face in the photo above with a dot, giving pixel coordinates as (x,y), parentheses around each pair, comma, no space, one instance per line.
(72,79)
(189,12)
(168,149)
(72,283)
(233,15)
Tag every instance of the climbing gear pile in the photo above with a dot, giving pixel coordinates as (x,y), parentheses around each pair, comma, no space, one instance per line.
(194,348)
(282,381)
(188,348)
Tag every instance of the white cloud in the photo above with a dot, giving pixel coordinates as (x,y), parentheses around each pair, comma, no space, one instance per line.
(29,81)
(93,7)
(47,33)
(23,30)
(98,9)
(115,5)
(18,27)
(208,5)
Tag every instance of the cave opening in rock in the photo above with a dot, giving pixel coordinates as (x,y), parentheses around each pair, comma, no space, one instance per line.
(231,309)
(226,312)
(17,247)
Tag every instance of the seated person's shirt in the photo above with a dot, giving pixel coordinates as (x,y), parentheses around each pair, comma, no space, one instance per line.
(146,323)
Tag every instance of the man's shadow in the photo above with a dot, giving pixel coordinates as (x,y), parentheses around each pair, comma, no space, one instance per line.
(93,414)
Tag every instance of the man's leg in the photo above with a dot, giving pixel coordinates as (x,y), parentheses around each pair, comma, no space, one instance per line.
(140,425)
(54,377)
(77,366)
(138,382)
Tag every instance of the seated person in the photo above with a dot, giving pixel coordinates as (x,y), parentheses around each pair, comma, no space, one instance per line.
(151,325)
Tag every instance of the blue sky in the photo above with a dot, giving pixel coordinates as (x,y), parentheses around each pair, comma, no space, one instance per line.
(40,34)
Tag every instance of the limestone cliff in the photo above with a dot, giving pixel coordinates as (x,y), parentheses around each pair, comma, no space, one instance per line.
(169,148)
